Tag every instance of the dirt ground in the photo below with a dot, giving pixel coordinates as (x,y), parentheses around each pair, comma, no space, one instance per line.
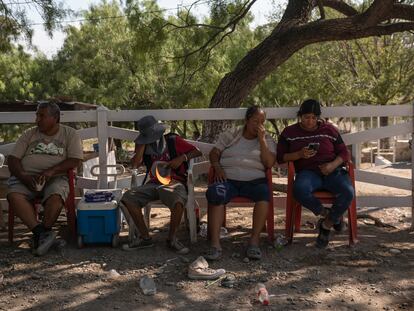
(376,274)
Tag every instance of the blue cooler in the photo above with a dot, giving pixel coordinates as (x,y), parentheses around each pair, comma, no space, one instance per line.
(98,222)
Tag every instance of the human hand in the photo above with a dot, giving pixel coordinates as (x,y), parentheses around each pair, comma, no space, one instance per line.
(307,153)
(28,181)
(219,175)
(327,168)
(38,182)
(261,132)
(176,162)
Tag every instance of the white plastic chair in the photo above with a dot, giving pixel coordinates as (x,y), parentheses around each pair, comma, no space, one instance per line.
(190,209)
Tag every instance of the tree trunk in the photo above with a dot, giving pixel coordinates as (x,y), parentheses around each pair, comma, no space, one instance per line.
(295,32)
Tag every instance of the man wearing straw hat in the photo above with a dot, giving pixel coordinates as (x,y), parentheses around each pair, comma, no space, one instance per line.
(171,153)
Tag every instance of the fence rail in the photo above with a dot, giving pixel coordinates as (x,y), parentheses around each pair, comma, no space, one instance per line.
(102,131)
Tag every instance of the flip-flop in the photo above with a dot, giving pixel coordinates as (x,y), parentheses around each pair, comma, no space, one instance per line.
(253,252)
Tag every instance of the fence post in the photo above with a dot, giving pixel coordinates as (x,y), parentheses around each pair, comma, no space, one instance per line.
(356,148)
(102,120)
(412,170)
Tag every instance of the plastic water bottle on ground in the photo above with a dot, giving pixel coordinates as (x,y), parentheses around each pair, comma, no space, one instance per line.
(147,285)
(134,178)
(262,294)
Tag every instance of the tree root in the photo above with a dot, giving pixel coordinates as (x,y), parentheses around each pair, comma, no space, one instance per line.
(378,222)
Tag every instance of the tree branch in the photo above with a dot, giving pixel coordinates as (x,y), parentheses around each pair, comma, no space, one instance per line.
(403,11)
(377,12)
(340,6)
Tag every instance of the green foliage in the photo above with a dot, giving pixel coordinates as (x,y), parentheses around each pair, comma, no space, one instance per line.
(136,57)
(14,21)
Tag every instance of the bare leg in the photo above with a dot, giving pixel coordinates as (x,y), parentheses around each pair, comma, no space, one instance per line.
(23,209)
(53,207)
(175,220)
(138,218)
(215,220)
(259,219)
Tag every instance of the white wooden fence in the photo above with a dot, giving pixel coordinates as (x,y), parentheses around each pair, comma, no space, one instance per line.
(102,131)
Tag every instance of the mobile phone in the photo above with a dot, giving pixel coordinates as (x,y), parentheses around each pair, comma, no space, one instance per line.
(313,146)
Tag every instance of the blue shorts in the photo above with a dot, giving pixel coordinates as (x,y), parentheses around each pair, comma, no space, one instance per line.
(222,192)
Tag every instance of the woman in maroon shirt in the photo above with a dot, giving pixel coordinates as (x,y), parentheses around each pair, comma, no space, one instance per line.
(318,153)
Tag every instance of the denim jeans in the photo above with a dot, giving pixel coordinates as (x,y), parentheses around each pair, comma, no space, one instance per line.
(338,183)
(222,192)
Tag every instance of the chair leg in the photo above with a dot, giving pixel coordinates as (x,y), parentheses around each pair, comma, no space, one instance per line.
(298,216)
(289,220)
(270,223)
(192,223)
(352,223)
(71,218)
(10,224)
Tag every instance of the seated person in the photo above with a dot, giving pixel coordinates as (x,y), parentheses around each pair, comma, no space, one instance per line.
(152,146)
(318,153)
(43,155)
(240,159)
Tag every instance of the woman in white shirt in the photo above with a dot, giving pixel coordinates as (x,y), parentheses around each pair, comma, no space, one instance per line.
(240,159)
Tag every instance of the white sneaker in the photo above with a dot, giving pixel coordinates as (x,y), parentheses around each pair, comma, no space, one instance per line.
(199,270)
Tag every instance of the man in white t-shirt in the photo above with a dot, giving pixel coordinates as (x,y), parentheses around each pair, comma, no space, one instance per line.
(38,166)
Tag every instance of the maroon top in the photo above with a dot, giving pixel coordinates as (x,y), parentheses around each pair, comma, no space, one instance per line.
(331,145)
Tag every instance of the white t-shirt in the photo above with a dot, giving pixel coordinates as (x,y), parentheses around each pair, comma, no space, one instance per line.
(241,161)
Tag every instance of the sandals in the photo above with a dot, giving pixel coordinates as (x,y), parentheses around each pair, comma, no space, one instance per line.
(253,252)
(213,253)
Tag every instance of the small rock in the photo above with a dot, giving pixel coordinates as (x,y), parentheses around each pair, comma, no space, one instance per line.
(113,274)
(395,251)
(170,283)
(235,255)
(35,276)
(328,290)
(246,260)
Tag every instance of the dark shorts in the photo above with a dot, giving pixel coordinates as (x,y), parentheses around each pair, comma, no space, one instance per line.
(169,195)
(221,193)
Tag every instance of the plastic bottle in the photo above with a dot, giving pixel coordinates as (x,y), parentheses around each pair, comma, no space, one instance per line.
(262,294)
(147,285)
(134,178)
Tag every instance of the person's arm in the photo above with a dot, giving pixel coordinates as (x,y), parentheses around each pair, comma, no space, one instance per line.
(137,159)
(16,169)
(214,156)
(267,157)
(61,168)
(187,152)
(284,156)
(342,154)
(329,167)
(304,153)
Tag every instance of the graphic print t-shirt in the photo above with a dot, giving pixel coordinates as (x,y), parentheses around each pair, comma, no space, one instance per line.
(39,152)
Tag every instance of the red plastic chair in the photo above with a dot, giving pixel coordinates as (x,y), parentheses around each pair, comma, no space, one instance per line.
(270,224)
(294,209)
(69,207)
